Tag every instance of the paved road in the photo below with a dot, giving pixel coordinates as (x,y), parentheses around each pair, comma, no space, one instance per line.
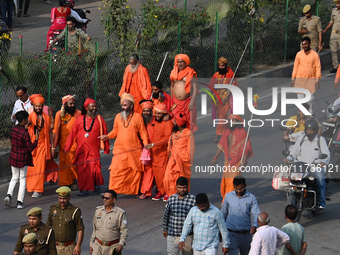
(145,217)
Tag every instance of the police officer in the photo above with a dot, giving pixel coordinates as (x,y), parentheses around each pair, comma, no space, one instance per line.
(30,244)
(45,234)
(334,42)
(109,227)
(67,222)
(310,26)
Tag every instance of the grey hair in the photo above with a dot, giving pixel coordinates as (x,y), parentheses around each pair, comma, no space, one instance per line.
(265,220)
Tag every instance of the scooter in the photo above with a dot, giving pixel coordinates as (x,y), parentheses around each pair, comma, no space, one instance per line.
(331,133)
(302,189)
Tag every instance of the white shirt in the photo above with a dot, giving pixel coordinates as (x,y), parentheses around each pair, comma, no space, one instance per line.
(267,239)
(309,150)
(20,106)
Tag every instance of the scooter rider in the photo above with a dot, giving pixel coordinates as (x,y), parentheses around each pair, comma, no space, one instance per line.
(309,147)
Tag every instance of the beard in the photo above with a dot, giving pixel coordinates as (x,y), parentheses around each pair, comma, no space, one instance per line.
(222,70)
(92,113)
(124,114)
(70,110)
(147,119)
(38,111)
(133,69)
(155,95)
(175,128)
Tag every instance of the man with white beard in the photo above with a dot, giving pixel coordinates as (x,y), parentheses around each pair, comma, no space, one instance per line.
(136,81)
(129,131)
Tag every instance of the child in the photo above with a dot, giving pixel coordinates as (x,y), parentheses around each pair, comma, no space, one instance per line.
(20,157)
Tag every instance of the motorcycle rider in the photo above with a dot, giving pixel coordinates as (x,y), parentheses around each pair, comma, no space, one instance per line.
(306,149)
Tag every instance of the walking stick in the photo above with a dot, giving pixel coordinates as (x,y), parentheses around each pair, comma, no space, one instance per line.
(160,71)
(255,98)
(239,62)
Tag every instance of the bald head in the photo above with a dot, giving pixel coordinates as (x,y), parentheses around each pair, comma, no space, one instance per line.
(263,219)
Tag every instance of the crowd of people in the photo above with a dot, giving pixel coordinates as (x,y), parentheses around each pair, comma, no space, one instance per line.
(154,146)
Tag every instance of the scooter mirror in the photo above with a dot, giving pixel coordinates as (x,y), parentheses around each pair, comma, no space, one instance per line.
(323,156)
(286,153)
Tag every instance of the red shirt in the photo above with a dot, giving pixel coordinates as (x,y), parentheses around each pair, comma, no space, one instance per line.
(22,147)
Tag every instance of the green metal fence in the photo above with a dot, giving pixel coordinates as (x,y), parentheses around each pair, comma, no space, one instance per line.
(211,34)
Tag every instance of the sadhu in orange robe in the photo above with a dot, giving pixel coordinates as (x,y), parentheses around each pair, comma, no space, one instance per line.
(36,174)
(224,94)
(182,106)
(232,143)
(182,149)
(136,84)
(126,167)
(62,128)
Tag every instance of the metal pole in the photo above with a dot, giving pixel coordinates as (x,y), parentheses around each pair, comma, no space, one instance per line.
(251,46)
(20,38)
(317,8)
(216,43)
(96,72)
(286,32)
(107,35)
(179,38)
(49,78)
(185,5)
(66,38)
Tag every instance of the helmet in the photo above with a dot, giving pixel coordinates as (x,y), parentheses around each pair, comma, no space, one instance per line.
(62,3)
(312,124)
(70,3)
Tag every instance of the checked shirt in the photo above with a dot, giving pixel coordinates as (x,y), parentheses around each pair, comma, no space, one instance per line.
(22,147)
(176,211)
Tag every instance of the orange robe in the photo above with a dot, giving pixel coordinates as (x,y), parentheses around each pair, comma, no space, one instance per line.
(182,106)
(126,166)
(182,149)
(87,157)
(222,109)
(148,177)
(62,128)
(36,174)
(160,155)
(136,84)
(233,156)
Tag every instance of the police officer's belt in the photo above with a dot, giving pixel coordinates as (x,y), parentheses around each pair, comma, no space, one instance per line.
(107,243)
(336,31)
(64,244)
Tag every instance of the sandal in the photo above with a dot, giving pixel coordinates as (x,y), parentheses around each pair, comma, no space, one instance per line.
(143,196)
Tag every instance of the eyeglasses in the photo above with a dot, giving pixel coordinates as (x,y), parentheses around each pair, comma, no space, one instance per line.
(241,189)
(106,198)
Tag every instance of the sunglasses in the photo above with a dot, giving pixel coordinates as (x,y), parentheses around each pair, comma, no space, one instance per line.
(106,198)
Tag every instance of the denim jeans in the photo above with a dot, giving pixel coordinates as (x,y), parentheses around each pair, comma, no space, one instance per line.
(239,242)
(319,175)
(7,12)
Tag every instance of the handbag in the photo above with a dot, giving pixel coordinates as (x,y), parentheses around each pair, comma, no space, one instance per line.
(145,157)
(281,178)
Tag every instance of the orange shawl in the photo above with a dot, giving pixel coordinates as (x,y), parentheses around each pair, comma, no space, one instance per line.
(187,72)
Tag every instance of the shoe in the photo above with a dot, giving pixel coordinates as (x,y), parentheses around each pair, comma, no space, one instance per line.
(19,13)
(36,194)
(8,200)
(158,197)
(83,193)
(333,70)
(20,205)
(165,198)
(142,197)
(322,207)
(48,2)
(26,15)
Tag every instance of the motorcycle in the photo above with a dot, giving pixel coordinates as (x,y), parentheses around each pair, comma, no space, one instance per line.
(5,40)
(331,133)
(302,189)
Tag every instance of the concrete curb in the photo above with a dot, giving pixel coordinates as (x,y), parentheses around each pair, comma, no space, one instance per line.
(282,71)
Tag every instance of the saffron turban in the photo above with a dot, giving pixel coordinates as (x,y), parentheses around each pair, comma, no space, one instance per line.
(146,105)
(37,99)
(128,97)
(223,60)
(185,58)
(180,120)
(235,117)
(65,99)
(161,108)
(89,101)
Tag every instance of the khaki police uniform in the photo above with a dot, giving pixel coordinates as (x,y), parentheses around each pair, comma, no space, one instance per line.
(109,230)
(66,224)
(334,42)
(45,239)
(314,28)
